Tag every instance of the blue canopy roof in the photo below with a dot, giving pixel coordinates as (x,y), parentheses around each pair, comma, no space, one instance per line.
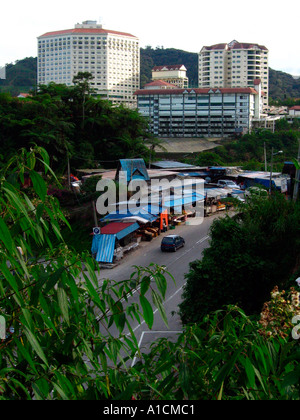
(134,168)
(185,199)
(144,214)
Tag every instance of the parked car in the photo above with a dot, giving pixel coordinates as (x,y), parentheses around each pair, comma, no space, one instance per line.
(226,183)
(172,243)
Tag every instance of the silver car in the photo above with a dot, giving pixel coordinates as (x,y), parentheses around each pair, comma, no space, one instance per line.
(227,183)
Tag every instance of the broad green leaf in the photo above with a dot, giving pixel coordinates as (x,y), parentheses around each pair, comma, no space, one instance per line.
(161,283)
(226,369)
(184,377)
(259,377)
(63,302)
(11,279)
(26,355)
(158,303)
(5,236)
(93,294)
(291,378)
(41,389)
(128,392)
(38,184)
(45,159)
(250,373)
(31,160)
(147,311)
(53,279)
(60,391)
(145,283)
(35,345)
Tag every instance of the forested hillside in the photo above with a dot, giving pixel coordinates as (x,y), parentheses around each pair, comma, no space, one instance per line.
(283,85)
(21,76)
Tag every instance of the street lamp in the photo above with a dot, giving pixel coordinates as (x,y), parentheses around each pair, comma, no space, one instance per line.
(271,173)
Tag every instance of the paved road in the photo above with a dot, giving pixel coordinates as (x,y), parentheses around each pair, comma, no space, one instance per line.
(177,263)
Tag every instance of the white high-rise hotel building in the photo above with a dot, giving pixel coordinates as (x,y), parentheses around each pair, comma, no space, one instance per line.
(234,65)
(113,58)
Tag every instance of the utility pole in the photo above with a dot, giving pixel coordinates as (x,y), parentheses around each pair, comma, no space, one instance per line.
(95,214)
(297,177)
(266,166)
(271,173)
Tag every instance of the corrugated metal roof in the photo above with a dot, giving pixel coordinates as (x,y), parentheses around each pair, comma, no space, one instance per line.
(105,247)
(119,229)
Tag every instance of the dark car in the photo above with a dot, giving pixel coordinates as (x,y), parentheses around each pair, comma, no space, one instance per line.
(172,243)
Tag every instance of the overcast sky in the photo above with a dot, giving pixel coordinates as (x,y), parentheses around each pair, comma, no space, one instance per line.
(186,24)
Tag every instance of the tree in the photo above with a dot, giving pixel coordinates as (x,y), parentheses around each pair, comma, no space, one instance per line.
(247,257)
(70,122)
(226,356)
(83,89)
(154,143)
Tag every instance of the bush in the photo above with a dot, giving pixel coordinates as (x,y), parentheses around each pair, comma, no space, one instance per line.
(247,257)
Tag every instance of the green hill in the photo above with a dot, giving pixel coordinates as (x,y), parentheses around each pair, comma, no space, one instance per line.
(21,76)
(283,85)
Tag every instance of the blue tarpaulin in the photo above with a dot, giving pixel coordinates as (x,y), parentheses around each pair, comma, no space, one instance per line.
(185,199)
(265,182)
(103,246)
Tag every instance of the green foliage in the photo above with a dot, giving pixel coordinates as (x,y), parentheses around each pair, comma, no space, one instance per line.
(70,123)
(223,357)
(21,76)
(209,159)
(248,150)
(70,336)
(283,86)
(62,345)
(247,257)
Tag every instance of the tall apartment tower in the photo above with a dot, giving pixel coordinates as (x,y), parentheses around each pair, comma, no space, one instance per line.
(113,58)
(234,65)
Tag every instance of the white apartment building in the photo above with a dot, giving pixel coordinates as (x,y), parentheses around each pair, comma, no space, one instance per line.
(234,65)
(205,112)
(113,58)
(174,74)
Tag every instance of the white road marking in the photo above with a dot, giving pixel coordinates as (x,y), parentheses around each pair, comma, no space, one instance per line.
(170,298)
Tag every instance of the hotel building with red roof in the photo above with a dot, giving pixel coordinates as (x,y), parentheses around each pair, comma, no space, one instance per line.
(200,112)
(112,57)
(234,65)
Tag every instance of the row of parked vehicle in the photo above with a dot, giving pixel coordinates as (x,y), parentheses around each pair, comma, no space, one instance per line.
(259,191)
(174,242)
